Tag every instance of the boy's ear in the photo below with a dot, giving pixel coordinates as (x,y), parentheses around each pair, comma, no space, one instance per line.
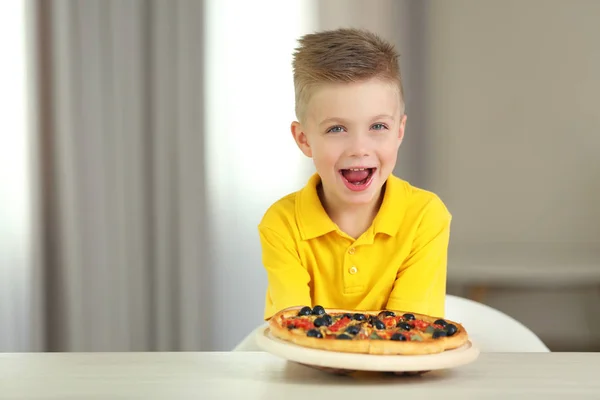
(401,129)
(301,138)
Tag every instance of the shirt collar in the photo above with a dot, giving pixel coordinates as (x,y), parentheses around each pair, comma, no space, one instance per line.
(391,212)
(313,220)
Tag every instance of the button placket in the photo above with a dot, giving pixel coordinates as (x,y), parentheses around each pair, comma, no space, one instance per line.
(353,270)
(353,281)
(353,284)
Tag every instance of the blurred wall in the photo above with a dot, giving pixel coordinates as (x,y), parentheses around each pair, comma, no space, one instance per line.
(514,135)
(513,147)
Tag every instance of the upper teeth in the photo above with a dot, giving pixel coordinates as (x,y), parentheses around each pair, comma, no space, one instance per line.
(358,169)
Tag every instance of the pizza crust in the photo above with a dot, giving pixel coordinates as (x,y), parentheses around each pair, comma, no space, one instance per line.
(367,346)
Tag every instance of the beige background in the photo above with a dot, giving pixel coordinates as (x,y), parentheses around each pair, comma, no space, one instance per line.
(512,89)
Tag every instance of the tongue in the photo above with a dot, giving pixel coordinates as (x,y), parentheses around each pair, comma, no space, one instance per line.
(355,176)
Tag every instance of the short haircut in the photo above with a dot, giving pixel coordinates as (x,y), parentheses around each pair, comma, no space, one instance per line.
(343,55)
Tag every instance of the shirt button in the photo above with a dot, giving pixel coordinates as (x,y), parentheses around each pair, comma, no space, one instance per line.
(352,250)
(353,270)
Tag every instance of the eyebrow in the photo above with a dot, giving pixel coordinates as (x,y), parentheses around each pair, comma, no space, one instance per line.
(343,121)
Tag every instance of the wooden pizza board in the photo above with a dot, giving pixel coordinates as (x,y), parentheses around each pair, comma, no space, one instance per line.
(365,362)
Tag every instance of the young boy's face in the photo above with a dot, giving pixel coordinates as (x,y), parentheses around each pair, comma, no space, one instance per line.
(352,132)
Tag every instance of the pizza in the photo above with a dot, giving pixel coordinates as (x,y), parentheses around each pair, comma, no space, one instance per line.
(383,332)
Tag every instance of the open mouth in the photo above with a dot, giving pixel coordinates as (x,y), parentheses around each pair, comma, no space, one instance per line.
(357,178)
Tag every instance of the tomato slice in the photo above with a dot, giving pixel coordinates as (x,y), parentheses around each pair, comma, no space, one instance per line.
(340,323)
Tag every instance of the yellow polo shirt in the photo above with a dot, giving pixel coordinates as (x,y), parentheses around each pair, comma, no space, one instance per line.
(399,263)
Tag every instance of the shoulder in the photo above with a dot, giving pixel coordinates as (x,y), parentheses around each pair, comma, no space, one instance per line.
(423,205)
(299,214)
(281,215)
(429,202)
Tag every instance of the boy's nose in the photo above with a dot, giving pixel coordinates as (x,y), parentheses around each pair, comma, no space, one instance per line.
(358,146)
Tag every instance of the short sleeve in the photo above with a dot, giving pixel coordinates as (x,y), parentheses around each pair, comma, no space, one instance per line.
(288,279)
(420,284)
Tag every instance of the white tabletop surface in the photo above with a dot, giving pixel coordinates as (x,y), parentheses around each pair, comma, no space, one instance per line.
(246,376)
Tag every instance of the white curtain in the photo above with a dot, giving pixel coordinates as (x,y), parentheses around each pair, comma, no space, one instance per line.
(121,108)
(20,281)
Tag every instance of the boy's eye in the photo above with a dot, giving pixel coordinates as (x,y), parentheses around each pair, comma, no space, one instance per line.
(335,129)
(379,127)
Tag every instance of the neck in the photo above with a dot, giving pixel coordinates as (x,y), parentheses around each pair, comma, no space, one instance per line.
(354,220)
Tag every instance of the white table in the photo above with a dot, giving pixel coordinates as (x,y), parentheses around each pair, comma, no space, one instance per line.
(246,376)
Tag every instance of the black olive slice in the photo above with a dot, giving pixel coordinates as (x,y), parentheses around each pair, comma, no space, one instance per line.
(314,333)
(318,310)
(304,311)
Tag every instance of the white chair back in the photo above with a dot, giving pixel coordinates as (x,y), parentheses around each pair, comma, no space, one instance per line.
(492,330)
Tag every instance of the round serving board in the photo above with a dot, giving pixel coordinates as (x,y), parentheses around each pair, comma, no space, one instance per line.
(365,362)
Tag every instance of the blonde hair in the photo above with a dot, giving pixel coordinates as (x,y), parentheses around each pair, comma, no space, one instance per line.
(342,56)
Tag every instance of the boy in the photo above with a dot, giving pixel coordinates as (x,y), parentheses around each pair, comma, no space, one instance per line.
(355,237)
